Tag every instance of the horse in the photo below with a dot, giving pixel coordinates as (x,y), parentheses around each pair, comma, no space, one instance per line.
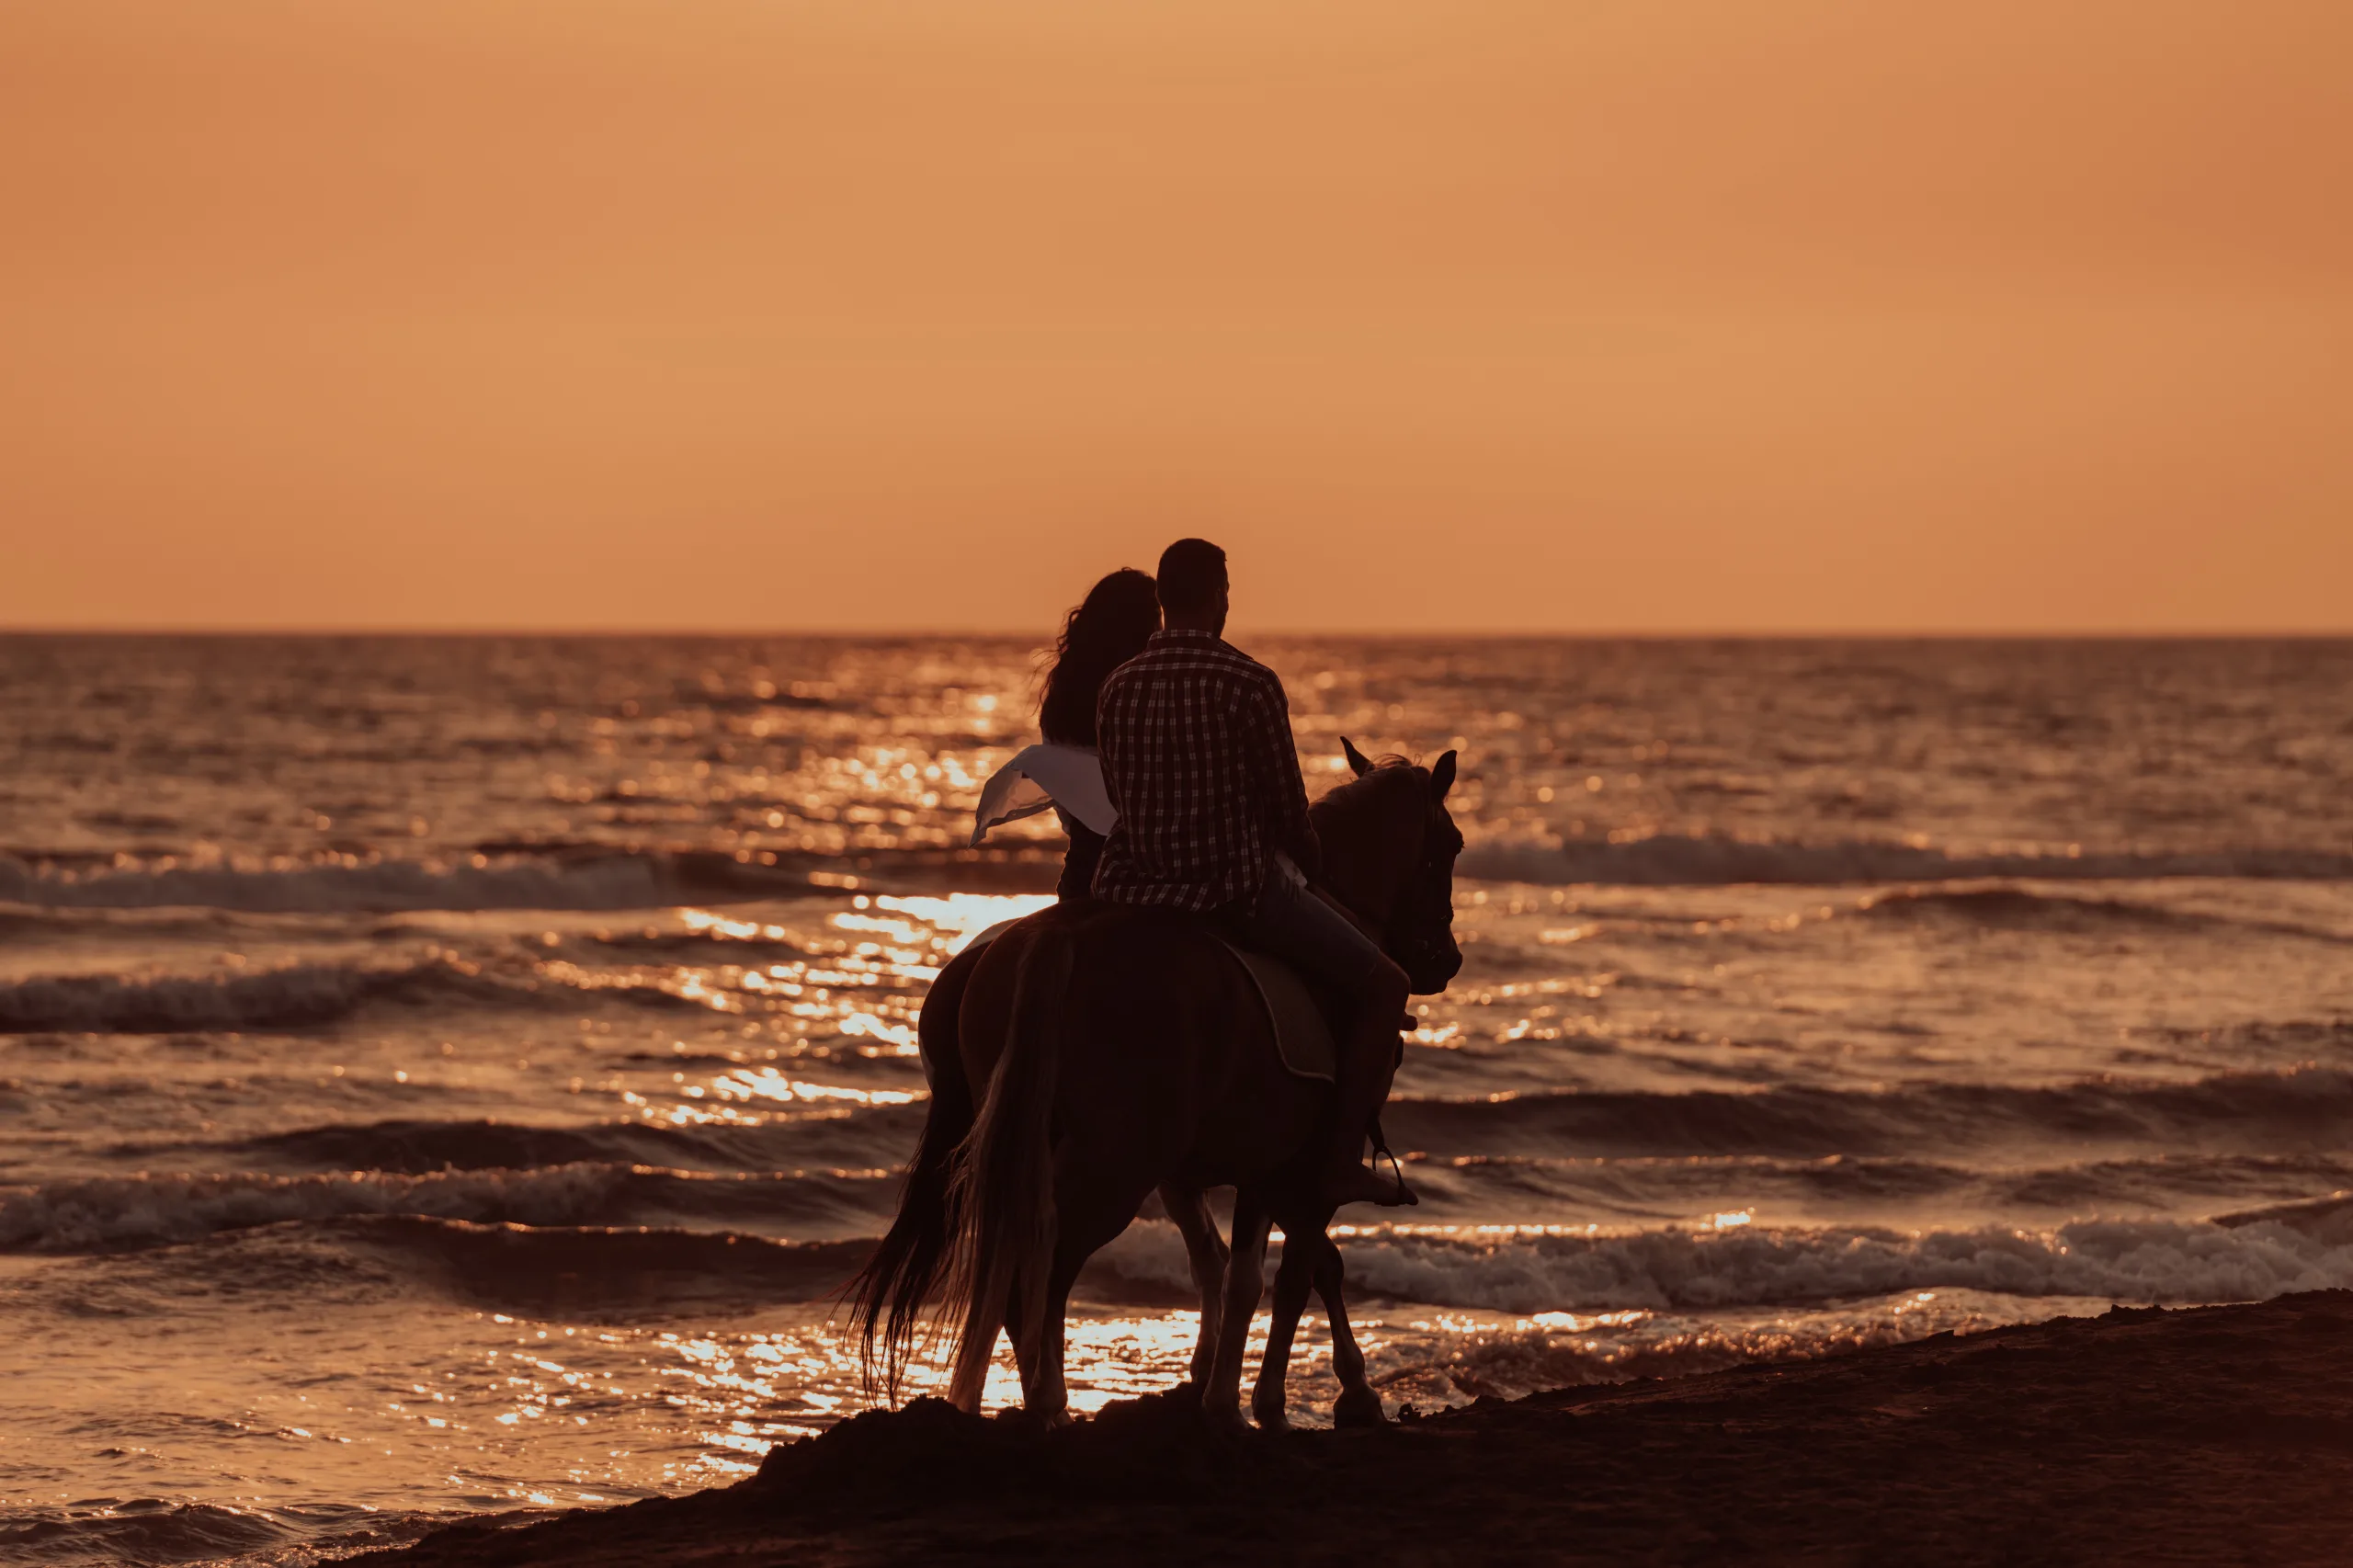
(1124,1051)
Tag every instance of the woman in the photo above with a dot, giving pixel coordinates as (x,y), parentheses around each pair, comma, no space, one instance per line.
(1107,630)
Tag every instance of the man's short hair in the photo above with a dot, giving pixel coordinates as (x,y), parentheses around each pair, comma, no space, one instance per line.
(1192,572)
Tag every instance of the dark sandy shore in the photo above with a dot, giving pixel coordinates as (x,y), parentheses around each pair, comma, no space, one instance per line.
(2217,1435)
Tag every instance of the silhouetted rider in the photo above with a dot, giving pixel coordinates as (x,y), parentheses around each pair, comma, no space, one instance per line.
(1199,759)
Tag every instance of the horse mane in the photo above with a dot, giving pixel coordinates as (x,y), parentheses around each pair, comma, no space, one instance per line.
(1356,807)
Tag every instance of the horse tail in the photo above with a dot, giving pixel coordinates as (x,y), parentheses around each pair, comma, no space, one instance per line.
(1002,1195)
(888,1296)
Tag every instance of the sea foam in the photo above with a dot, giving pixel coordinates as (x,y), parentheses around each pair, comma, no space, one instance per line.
(1688,1269)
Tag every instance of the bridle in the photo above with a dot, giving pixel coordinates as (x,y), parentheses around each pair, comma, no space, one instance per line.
(1424,910)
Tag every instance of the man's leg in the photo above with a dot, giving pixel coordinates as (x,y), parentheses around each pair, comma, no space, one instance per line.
(1367,1065)
(1292,923)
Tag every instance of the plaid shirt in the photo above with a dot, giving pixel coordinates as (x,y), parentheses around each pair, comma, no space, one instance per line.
(1198,756)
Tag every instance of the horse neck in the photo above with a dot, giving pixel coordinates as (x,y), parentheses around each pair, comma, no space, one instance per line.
(1368,854)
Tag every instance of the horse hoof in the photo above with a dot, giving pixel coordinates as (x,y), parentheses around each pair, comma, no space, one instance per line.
(1358,1407)
(1222,1417)
(1271,1419)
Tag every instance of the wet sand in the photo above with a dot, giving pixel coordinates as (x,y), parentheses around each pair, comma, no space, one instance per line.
(2205,1435)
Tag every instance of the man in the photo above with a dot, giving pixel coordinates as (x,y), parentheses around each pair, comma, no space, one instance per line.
(1199,759)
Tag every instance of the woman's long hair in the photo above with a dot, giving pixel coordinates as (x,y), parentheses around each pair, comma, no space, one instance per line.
(1106,630)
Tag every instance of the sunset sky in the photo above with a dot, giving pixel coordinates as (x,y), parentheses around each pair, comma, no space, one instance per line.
(1562,315)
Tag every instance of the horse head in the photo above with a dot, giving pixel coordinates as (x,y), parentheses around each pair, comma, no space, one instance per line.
(1388,850)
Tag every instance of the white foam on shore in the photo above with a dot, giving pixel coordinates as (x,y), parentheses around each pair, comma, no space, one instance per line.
(1453,1358)
(1660,1270)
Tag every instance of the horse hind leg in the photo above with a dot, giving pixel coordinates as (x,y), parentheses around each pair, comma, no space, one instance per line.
(1268,1397)
(1045,1392)
(1205,1249)
(969,1382)
(1244,1283)
(970,1377)
(1095,1199)
(1359,1403)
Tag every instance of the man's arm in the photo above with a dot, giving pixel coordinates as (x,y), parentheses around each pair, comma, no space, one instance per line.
(1282,793)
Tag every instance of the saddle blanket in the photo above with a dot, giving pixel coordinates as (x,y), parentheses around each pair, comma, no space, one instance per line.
(1301,1035)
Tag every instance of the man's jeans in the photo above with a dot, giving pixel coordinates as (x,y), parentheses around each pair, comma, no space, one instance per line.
(1295,925)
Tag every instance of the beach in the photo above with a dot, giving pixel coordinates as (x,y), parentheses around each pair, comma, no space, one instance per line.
(449,1078)
(2213,1435)
(554,555)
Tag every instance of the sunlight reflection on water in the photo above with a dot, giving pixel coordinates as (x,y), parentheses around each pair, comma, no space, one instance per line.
(536,957)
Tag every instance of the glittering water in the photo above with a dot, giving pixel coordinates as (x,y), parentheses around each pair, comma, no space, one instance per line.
(454,1075)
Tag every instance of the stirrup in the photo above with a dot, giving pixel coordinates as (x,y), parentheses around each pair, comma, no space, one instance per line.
(1380,1150)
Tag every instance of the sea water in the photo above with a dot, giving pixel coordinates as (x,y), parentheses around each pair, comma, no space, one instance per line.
(454,1076)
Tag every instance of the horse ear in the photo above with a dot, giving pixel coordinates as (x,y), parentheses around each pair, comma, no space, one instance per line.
(1442,777)
(1361,763)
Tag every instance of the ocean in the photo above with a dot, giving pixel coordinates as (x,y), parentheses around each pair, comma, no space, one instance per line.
(452,1076)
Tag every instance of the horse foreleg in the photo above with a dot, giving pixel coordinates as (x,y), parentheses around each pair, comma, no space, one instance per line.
(1244,1283)
(1206,1251)
(1359,1404)
(1291,1281)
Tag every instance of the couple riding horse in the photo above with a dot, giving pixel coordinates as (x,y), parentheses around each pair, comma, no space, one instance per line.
(1114,1045)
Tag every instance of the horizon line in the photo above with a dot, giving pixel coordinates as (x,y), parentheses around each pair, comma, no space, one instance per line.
(1880,634)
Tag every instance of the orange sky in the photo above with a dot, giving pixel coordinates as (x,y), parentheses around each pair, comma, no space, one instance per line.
(1569,315)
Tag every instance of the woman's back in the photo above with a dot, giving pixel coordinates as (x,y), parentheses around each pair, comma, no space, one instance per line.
(1107,628)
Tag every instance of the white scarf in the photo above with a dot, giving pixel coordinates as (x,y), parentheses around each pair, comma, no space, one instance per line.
(1042,776)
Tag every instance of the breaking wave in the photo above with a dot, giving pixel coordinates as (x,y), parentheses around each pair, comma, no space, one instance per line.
(584,878)
(309,995)
(2262,1112)
(1659,1270)
(117,1213)
(1678,860)
(147,1530)
(611,881)
(606,1270)
(296,996)
(863,1138)
(108,1532)
(1676,1188)
(2023,908)
(557,1263)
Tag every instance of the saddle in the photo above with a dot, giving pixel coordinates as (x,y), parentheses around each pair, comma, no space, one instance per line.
(1295,1017)
(1302,1033)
